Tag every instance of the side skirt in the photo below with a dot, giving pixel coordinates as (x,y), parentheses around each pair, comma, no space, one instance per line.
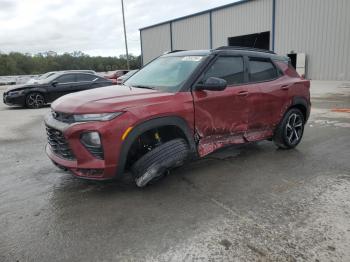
(210,144)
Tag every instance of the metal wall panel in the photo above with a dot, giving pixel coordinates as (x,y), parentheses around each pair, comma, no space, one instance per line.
(319,28)
(246,18)
(191,33)
(155,41)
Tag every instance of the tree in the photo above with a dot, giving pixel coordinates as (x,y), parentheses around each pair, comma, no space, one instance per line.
(16,63)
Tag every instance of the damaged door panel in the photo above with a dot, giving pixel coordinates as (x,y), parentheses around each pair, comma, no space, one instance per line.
(221,117)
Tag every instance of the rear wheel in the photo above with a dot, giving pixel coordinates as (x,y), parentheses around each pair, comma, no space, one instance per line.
(154,164)
(35,100)
(290,131)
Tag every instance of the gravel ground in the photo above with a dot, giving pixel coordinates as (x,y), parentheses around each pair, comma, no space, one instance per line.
(245,203)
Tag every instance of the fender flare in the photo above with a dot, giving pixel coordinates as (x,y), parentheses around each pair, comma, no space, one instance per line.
(298,100)
(148,125)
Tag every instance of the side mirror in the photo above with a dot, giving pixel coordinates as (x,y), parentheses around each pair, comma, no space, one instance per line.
(213,84)
(54,83)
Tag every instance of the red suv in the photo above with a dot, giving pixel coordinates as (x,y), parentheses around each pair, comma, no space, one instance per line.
(180,106)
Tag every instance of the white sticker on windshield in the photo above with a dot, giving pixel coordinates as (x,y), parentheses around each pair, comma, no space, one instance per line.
(192,58)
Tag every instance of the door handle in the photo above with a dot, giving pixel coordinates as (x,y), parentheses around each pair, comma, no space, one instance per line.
(286,87)
(243,93)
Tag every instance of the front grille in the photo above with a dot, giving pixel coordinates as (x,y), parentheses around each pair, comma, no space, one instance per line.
(58,143)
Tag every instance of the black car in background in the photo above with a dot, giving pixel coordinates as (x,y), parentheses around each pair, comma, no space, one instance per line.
(48,74)
(43,91)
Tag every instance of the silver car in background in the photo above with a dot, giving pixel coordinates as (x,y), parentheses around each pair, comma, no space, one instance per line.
(125,77)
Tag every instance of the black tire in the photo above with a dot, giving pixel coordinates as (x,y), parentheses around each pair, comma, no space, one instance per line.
(35,100)
(289,132)
(156,163)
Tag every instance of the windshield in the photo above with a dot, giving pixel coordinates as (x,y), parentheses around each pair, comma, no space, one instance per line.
(166,73)
(46,75)
(48,78)
(40,78)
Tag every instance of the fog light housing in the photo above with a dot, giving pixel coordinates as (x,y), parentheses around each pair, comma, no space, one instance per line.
(91,139)
(92,142)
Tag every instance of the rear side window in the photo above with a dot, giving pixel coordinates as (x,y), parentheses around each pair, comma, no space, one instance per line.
(85,77)
(229,68)
(261,70)
(69,78)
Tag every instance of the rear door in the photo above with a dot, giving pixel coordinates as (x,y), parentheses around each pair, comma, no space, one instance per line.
(100,82)
(221,117)
(267,97)
(85,81)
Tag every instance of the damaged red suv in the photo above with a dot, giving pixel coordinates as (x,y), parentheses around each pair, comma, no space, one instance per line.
(180,106)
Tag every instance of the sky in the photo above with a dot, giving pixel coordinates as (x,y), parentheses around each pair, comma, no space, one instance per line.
(92,26)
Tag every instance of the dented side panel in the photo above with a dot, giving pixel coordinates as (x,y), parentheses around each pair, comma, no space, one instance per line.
(220,112)
(220,115)
(225,118)
(271,103)
(209,144)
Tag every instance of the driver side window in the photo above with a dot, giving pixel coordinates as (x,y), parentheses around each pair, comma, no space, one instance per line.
(230,68)
(66,79)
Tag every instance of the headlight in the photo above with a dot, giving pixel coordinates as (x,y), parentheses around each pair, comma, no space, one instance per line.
(14,93)
(95,117)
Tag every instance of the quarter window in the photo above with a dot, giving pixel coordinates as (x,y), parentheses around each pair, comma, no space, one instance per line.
(261,70)
(229,68)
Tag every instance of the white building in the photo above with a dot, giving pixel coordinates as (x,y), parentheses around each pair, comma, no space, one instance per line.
(318,28)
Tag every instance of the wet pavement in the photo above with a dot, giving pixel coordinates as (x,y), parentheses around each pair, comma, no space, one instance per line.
(246,203)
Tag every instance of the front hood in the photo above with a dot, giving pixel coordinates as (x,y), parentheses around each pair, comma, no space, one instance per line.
(17,87)
(109,99)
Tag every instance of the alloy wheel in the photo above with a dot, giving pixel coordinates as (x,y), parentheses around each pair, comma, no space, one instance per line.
(294,128)
(35,100)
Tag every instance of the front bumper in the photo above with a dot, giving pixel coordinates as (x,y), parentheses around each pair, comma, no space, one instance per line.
(14,100)
(90,171)
(84,164)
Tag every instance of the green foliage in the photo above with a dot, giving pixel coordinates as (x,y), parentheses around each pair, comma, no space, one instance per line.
(26,64)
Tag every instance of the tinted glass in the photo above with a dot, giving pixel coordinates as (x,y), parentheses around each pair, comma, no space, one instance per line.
(261,70)
(166,73)
(66,79)
(85,77)
(229,68)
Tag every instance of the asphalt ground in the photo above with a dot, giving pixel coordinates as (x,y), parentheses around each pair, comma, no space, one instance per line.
(243,203)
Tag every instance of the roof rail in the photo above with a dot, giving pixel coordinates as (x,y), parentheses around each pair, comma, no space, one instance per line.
(174,51)
(244,48)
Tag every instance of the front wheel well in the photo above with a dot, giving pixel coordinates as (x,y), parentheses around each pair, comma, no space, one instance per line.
(150,139)
(35,91)
(302,108)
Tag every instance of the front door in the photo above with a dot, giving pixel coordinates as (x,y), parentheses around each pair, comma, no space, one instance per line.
(221,117)
(62,85)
